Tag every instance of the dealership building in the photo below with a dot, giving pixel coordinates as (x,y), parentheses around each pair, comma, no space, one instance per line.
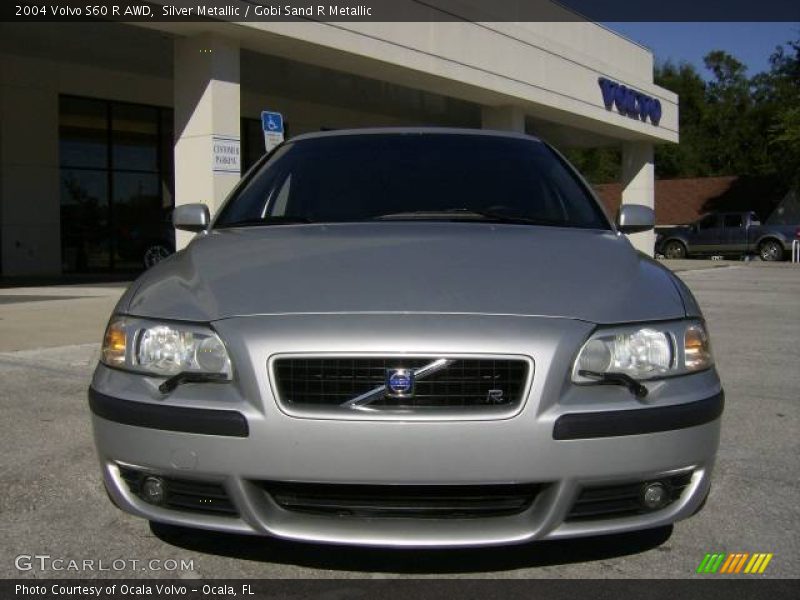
(106,126)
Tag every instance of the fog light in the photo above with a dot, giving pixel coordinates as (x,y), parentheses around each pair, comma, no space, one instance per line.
(154,490)
(655,495)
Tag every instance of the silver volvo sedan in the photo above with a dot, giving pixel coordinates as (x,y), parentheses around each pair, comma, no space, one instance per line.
(411,337)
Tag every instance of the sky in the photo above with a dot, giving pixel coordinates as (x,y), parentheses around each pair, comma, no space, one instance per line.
(751,43)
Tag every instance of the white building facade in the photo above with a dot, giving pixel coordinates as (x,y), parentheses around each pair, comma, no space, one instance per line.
(104,127)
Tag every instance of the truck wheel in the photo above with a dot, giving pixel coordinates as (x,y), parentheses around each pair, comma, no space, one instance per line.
(770,250)
(675,249)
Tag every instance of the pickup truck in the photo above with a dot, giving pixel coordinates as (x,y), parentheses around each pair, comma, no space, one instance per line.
(727,234)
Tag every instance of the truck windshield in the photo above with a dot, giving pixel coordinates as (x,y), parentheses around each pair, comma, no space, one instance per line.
(413,176)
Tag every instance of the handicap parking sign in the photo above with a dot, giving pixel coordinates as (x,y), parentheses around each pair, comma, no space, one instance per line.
(272,121)
(272,125)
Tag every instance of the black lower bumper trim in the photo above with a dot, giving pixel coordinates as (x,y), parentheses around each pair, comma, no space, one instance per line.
(169,418)
(578,426)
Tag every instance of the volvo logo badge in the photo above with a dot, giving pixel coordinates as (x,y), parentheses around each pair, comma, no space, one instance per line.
(399,383)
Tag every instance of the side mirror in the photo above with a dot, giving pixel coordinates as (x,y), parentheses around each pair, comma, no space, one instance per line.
(191,217)
(633,218)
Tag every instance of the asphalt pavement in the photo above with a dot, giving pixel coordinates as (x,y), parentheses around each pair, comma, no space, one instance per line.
(52,502)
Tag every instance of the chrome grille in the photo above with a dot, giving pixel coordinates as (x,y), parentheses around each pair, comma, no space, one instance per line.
(456,383)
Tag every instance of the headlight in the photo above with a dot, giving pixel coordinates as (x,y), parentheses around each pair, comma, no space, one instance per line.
(649,352)
(164,349)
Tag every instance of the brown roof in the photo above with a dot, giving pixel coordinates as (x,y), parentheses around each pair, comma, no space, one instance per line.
(681,201)
(677,200)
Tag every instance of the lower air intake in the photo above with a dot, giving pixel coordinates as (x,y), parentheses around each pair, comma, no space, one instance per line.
(625,500)
(398,501)
(185,494)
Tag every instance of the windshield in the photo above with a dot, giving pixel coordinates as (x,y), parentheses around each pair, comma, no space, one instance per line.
(430,176)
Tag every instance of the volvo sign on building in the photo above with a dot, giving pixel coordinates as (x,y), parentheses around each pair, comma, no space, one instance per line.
(630,102)
(105,126)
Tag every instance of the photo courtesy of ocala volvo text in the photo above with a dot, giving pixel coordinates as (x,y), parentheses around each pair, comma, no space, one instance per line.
(409,337)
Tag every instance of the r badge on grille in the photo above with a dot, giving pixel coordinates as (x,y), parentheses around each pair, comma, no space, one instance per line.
(399,383)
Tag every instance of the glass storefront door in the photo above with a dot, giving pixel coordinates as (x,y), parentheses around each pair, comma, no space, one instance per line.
(116,183)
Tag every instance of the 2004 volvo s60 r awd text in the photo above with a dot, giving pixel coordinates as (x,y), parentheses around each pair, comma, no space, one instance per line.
(413,337)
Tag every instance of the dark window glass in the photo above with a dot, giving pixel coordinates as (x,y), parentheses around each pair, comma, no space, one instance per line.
(167,141)
(137,216)
(83,133)
(167,134)
(709,222)
(84,220)
(733,221)
(134,137)
(361,177)
(117,183)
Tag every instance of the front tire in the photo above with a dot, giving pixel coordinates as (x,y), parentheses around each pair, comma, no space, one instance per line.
(770,250)
(675,249)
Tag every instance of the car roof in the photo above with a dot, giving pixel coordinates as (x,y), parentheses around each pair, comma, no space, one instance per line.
(413,131)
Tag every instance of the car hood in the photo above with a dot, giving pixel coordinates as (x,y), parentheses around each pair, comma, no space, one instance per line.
(480,268)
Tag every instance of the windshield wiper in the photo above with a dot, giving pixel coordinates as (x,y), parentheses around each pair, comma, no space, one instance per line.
(467,215)
(502,218)
(636,388)
(268,220)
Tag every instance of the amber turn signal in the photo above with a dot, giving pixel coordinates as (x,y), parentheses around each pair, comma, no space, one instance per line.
(114,343)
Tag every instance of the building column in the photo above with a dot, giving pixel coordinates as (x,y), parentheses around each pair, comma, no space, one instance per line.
(207,117)
(638,187)
(30,201)
(503,118)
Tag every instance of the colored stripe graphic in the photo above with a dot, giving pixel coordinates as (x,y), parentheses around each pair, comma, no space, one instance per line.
(711,563)
(758,563)
(741,562)
(765,563)
(703,564)
(753,564)
(718,563)
(735,562)
(726,567)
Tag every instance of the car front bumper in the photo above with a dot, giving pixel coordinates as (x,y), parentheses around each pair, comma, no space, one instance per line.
(565,438)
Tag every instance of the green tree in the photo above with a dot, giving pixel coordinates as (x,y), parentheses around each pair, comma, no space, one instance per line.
(733,120)
(687,159)
(779,92)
